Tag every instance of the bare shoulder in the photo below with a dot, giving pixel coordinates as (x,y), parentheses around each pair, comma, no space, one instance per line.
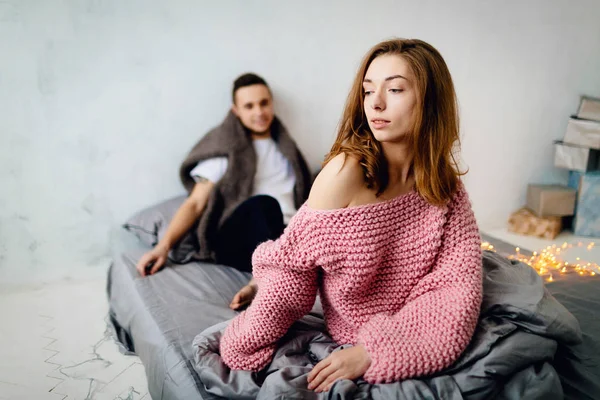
(337,184)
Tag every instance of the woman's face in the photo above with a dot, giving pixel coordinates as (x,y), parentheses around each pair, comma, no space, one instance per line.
(390,98)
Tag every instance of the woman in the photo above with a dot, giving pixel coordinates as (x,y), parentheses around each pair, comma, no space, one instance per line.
(387,236)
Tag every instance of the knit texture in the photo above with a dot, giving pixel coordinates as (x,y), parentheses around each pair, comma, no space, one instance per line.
(401,277)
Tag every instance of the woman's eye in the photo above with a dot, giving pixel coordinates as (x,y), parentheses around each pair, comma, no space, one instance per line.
(396,90)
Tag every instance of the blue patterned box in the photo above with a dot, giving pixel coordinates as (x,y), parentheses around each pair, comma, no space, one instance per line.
(587,208)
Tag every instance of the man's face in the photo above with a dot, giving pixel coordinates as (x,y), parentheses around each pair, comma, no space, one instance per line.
(253,105)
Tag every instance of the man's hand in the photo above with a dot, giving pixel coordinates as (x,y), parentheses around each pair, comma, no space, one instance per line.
(182,222)
(155,257)
(350,363)
(244,296)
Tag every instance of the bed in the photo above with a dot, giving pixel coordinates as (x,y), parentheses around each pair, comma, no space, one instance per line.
(159,317)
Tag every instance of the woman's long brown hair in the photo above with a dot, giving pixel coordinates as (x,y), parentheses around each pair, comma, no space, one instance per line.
(435,135)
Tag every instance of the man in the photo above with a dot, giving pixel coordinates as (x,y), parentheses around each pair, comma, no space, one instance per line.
(246,178)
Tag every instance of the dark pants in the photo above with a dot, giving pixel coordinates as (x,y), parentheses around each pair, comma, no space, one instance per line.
(256,220)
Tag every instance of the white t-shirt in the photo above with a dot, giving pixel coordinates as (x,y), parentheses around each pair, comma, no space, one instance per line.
(274,174)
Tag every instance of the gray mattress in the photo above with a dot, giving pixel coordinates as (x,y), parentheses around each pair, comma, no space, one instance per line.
(158,317)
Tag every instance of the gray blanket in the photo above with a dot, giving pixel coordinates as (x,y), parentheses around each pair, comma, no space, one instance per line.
(510,355)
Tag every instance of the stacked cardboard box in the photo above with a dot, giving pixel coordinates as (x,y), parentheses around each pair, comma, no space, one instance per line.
(525,222)
(548,205)
(580,148)
(542,216)
(580,153)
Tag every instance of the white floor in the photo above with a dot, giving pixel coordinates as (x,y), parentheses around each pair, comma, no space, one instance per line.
(53,346)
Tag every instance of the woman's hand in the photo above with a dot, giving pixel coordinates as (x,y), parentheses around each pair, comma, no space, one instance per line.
(154,259)
(350,363)
(244,296)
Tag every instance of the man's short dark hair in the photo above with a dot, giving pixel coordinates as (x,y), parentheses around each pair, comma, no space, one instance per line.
(247,80)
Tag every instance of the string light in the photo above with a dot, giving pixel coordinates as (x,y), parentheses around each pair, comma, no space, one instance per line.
(549,259)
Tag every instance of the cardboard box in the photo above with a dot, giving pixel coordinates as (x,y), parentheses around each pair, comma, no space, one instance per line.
(589,108)
(575,157)
(551,200)
(525,222)
(583,132)
(587,210)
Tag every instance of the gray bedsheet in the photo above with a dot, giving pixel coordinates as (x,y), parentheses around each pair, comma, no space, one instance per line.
(516,339)
(579,365)
(159,316)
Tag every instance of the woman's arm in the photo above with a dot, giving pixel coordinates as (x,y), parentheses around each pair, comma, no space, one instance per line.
(438,320)
(284,295)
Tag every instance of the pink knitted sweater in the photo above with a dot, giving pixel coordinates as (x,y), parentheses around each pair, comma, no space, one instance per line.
(401,277)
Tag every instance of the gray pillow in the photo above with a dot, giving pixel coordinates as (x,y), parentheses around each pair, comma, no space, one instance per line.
(151,224)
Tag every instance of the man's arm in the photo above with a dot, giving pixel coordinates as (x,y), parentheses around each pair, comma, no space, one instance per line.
(184,219)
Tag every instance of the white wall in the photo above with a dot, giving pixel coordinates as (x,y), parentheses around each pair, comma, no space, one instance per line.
(100,100)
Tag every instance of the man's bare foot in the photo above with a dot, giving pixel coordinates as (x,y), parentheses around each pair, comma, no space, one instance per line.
(245,296)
